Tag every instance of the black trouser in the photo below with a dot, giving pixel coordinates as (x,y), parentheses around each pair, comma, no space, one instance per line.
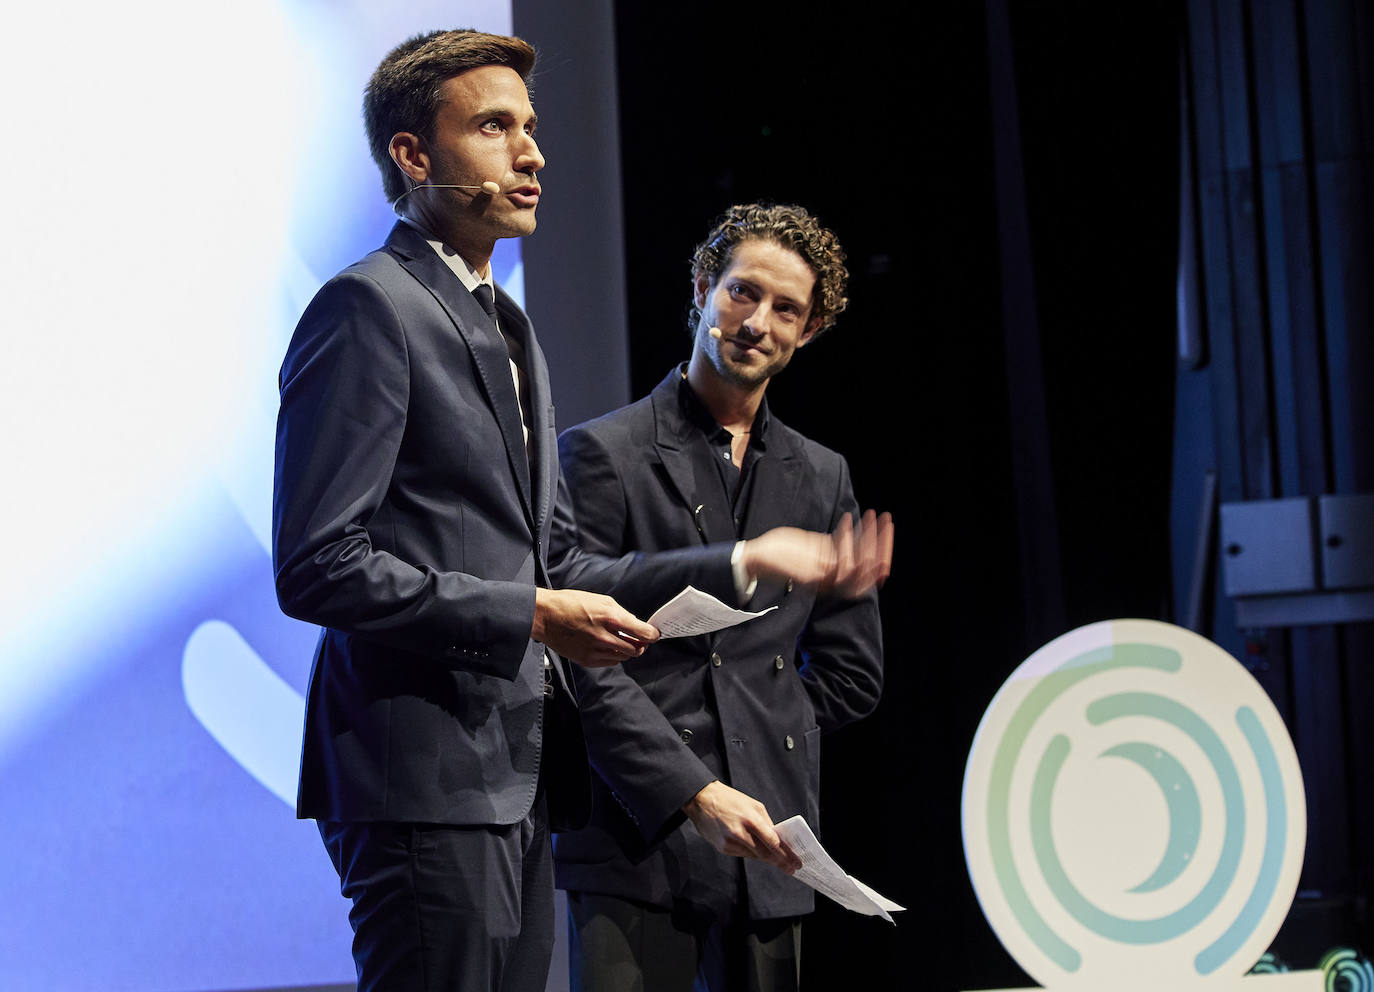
(448,909)
(616,945)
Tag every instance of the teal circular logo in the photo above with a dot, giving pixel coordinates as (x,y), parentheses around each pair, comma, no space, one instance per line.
(1133,812)
(1346,970)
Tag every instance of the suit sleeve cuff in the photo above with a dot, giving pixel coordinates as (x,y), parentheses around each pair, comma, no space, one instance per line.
(745,584)
(686,784)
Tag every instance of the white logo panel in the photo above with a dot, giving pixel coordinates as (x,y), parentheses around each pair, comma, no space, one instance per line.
(1133,812)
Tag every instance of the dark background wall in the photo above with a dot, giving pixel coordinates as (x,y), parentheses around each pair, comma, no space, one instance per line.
(888,134)
(1015,184)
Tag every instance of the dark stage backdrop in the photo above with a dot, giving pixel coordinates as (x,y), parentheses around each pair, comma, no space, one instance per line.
(884,133)
(1005,178)
(1024,224)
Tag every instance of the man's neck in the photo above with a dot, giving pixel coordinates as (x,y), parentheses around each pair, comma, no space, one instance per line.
(477,255)
(733,406)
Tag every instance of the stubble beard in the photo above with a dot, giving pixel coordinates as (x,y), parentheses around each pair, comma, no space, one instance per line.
(735,373)
(472,208)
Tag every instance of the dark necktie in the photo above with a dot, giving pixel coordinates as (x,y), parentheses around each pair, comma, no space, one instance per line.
(487,298)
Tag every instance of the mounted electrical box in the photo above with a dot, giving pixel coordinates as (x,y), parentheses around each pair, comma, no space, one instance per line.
(1295,562)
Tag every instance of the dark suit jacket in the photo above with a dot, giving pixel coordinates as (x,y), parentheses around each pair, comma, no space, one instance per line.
(746,705)
(410,524)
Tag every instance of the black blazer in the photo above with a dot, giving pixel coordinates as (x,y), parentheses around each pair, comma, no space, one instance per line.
(410,524)
(746,705)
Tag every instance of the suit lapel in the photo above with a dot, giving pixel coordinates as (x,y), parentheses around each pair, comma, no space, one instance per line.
(543,454)
(484,342)
(775,486)
(686,459)
(543,448)
(688,462)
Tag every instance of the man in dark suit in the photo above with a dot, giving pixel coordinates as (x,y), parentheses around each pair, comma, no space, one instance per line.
(416,486)
(706,728)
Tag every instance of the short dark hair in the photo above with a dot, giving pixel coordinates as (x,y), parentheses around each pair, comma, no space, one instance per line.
(403,94)
(786,225)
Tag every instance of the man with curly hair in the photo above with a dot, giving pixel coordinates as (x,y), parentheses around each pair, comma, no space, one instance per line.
(703,742)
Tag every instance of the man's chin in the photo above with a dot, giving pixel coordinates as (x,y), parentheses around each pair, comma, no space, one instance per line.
(743,375)
(520,226)
(523,218)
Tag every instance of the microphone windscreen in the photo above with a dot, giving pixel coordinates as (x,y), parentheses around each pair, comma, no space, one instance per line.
(715,333)
(490,188)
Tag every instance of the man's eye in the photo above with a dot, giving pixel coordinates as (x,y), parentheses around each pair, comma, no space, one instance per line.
(493,125)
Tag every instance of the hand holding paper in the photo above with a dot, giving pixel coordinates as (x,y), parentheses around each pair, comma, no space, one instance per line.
(693,612)
(819,870)
(738,825)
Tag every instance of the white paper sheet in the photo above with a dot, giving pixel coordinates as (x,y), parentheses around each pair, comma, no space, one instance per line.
(820,871)
(693,612)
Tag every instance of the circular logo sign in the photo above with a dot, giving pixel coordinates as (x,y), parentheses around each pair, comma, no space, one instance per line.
(1133,812)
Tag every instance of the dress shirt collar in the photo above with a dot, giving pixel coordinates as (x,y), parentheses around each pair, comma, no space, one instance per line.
(460,265)
(696,414)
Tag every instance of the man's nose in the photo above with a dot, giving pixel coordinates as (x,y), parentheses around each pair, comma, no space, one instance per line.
(529,160)
(757,322)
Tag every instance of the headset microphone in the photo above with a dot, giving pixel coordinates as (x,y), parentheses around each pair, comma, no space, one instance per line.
(489,187)
(715,333)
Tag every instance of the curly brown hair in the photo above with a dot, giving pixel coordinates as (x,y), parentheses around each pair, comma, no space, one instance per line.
(786,225)
(403,94)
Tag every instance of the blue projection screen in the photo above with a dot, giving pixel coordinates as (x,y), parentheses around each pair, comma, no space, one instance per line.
(191,176)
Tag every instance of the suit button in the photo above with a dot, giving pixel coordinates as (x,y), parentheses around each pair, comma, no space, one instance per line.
(778,663)
(686,736)
(788,743)
(715,660)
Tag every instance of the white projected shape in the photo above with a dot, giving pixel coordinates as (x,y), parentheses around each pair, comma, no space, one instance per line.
(248,708)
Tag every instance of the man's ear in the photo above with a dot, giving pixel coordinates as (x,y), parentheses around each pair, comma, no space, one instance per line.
(813,327)
(408,152)
(701,288)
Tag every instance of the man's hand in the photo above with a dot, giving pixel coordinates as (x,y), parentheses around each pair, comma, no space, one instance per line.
(587,628)
(848,563)
(863,555)
(736,824)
